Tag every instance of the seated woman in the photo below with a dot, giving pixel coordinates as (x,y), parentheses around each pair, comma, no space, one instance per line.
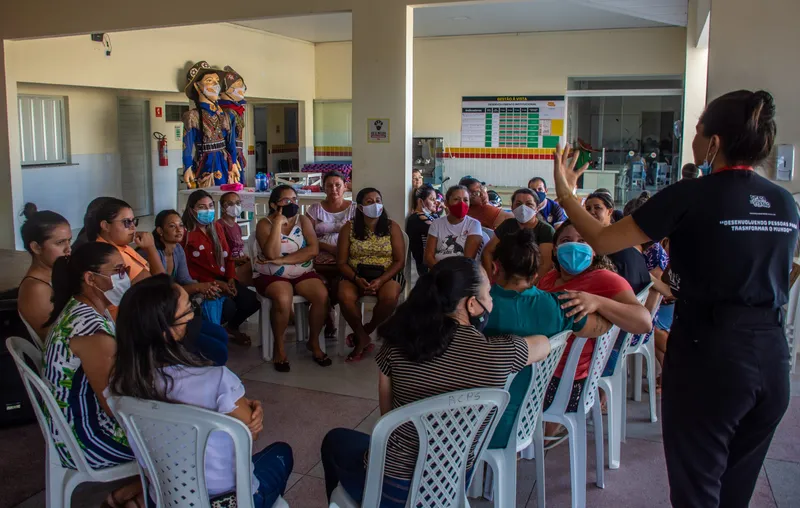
(231,205)
(288,245)
(628,262)
(152,364)
(46,236)
(419,223)
(589,285)
(433,344)
(114,223)
(520,308)
(457,234)
(328,217)
(209,259)
(372,255)
(91,209)
(524,206)
(207,339)
(489,216)
(79,356)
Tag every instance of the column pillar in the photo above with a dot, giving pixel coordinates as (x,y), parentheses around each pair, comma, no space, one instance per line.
(383,38)
(11,198)
(695,80)
(753,45)
(305,131)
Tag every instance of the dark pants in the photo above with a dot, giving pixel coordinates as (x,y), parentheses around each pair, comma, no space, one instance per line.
(236,310)
(725,389)
(271,466)
(343,452)
(212,343)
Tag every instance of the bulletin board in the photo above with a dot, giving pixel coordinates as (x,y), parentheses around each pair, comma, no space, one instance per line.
(512,121)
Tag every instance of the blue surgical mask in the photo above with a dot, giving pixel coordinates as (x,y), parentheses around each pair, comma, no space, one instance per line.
(205,217)
(541,195)
(574,257)
(706,168)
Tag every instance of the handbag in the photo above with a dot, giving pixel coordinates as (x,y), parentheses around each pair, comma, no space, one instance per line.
(212,310)
(369,272)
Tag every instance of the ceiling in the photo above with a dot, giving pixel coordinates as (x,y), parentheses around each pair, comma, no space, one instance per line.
(495,18)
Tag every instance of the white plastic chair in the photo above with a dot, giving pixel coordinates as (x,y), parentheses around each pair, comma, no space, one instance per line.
(449,426)
(575,423)
(647,350)
(60,481)
(34,336)
(790,324)
(614,388)
(501,479)
(364,300)
(170,440)
(266,335)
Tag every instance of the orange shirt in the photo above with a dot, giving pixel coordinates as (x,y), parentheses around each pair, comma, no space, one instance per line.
(132,259)
(485,214)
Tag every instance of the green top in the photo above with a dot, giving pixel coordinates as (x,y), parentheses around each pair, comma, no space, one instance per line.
(531,312)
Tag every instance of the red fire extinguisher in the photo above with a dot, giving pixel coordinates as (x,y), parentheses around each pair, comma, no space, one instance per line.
(163,158)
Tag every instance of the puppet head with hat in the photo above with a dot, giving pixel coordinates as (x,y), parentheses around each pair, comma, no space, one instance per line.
(202,83)
(233,86)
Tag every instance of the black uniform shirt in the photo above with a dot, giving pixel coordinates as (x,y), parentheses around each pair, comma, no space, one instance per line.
(631,266)
(732,238)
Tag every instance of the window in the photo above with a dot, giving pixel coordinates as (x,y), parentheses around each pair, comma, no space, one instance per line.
(42,130)
(174,112)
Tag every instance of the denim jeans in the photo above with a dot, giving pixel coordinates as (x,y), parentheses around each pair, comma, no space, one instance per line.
(343,452)
(212,343)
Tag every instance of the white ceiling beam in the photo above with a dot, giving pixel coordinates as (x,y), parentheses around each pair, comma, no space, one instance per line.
(671,12)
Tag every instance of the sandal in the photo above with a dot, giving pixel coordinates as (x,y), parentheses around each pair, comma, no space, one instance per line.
(239,338)
(354,357)
(282,366)
(323,361)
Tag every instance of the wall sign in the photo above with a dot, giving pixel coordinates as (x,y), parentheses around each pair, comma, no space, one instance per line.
(512,122)
(159,112)
(377,130)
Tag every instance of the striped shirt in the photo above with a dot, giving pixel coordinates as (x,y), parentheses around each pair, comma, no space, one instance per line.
(470,361)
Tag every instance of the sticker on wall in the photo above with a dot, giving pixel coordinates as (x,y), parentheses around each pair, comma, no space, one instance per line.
(248,201)
(377,130)
(178,132)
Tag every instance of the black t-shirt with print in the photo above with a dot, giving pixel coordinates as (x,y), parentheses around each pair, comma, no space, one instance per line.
(543,231)
(732,238)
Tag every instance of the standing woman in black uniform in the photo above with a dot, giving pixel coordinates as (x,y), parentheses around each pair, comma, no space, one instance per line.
(732,237)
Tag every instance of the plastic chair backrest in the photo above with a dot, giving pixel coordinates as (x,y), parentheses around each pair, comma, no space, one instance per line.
(34,336)
(602,349)
(632,341)
(449,426)
(252,250)
(540,378)
(171,441)
(39,393)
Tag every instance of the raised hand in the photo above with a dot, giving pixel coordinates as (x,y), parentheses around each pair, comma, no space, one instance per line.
(564,173)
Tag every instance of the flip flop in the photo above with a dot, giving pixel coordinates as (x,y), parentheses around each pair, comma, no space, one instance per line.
(323,361)
(282,366)
(354,357)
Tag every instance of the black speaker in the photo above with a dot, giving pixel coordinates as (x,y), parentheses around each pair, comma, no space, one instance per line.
(15,406)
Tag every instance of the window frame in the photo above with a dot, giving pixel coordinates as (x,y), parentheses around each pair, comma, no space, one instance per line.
(186,104)
(65,159)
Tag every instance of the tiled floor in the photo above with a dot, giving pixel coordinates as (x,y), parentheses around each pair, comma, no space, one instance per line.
(302,406)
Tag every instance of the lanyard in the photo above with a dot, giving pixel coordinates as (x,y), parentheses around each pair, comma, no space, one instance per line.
(733,168)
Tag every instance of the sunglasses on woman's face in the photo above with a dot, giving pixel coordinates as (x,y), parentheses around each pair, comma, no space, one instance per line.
(128,223)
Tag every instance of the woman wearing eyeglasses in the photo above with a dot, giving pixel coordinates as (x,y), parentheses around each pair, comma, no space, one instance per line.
(115,224)
(79,355)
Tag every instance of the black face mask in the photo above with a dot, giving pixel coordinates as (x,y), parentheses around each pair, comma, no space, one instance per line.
(290,210)
(480,321)
(193,330)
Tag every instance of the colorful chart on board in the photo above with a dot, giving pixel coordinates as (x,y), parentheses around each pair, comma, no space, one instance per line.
(512,121)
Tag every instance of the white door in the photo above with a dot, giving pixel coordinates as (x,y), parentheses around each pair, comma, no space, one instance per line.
(134,149)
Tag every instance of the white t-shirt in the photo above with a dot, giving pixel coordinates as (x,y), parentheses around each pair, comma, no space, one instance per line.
(216,389)
(451,238)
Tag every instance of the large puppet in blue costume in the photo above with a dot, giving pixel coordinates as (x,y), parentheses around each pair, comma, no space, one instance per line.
(233,103)
(206,159)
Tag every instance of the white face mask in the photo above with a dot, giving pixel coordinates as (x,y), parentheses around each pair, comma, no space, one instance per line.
(372,211)
(524,213)
(212,92)
(118,288)
(237,93)
(234,210)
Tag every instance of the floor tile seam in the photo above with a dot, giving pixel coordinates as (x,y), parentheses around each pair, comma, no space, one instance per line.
(308,389)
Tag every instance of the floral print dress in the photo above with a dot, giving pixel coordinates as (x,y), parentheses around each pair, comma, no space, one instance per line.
(99,436)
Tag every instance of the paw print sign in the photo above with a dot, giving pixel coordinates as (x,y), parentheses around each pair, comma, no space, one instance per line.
(378,130)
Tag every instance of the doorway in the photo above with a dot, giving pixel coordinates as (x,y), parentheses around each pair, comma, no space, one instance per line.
(134,150)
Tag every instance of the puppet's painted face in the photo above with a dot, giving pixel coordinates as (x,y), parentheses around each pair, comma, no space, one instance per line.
(208,87)
(237,90)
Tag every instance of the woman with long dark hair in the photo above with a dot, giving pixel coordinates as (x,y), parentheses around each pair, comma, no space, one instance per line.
(285,268)
(46,236)
(372,255)
(88,217)
(732,238)
(151,363)
(433,344)
(79,355)
(210,260)
(419,223)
